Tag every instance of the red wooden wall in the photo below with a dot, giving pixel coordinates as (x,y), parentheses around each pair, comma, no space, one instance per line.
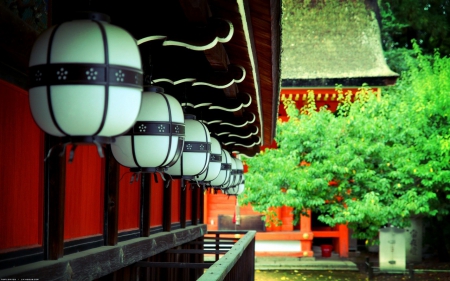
(21,176)
(176,201)
(84,201)
(129,200)
(156,202)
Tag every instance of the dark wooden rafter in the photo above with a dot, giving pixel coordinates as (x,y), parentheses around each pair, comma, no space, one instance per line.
(196,11)
(217,57)
(16,41)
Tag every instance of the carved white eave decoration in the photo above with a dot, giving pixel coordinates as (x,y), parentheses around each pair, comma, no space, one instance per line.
(241,137)
(197,83)
(238,107)
(240,125)
(244,73)
(229,143)
(246,136)
(207,46)
(195,105)
(151,38)
(176,82)
(223,86)
(241,153)
(249,100)
(251,145)
(209,122)
(222,133)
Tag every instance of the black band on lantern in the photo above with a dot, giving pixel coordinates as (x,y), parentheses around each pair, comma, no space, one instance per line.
(225,166)
(215,158)
(196,146)
(145,128)
(85,74)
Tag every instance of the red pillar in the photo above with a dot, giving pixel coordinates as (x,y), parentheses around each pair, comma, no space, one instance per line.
(306,235)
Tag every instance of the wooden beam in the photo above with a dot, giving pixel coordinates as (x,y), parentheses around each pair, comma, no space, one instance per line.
(90,265)
(173,264)
(193,251)
(196,11)
(55,189)
(17,39)
(217,57)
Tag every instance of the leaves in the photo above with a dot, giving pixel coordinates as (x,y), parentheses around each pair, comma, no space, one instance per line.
(392,150)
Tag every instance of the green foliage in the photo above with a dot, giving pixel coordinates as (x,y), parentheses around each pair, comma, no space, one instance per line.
(425,21)
(389,154)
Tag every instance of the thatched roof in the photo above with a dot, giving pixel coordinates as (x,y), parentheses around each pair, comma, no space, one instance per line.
(332,42)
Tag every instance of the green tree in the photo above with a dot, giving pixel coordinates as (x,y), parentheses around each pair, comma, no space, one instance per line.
(388,155)
(425,21)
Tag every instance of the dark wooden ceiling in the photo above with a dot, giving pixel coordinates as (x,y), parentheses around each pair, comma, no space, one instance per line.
(232,84)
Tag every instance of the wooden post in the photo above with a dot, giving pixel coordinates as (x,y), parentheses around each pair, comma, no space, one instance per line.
(111,223)
(145,204)
(183,199)
(167,207)
(343,240)
(202,206)
(306,235)
(55,188)
(194,205)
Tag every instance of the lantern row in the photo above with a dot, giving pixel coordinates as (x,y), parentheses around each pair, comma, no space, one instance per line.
(86,87)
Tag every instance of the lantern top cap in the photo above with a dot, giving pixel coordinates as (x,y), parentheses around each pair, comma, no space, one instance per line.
(89,15)
(154,89)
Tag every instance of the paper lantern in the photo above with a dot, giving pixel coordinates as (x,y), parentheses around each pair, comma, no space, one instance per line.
(85,79)
(196,151)
(214,165)
(236,190)
(225,171)
(156,139)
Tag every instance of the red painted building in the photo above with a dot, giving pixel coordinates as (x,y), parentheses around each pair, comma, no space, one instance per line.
(323,46)
(93,219)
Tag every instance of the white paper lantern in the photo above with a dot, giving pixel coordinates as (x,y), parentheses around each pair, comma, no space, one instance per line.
(225,171)
(196,151)
(239,172)
(156,139)
(233,175)
(215,162)
(85,79)
(236,190)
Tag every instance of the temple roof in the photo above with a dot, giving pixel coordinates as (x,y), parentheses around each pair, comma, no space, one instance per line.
(337,42)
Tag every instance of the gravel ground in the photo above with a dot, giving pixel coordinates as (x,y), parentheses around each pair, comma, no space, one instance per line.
(428,269)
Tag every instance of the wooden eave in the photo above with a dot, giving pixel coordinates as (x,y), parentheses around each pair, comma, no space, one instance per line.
(254,46)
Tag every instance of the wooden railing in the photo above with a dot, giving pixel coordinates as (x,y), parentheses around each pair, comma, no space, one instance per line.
(238,263)
(216,256)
